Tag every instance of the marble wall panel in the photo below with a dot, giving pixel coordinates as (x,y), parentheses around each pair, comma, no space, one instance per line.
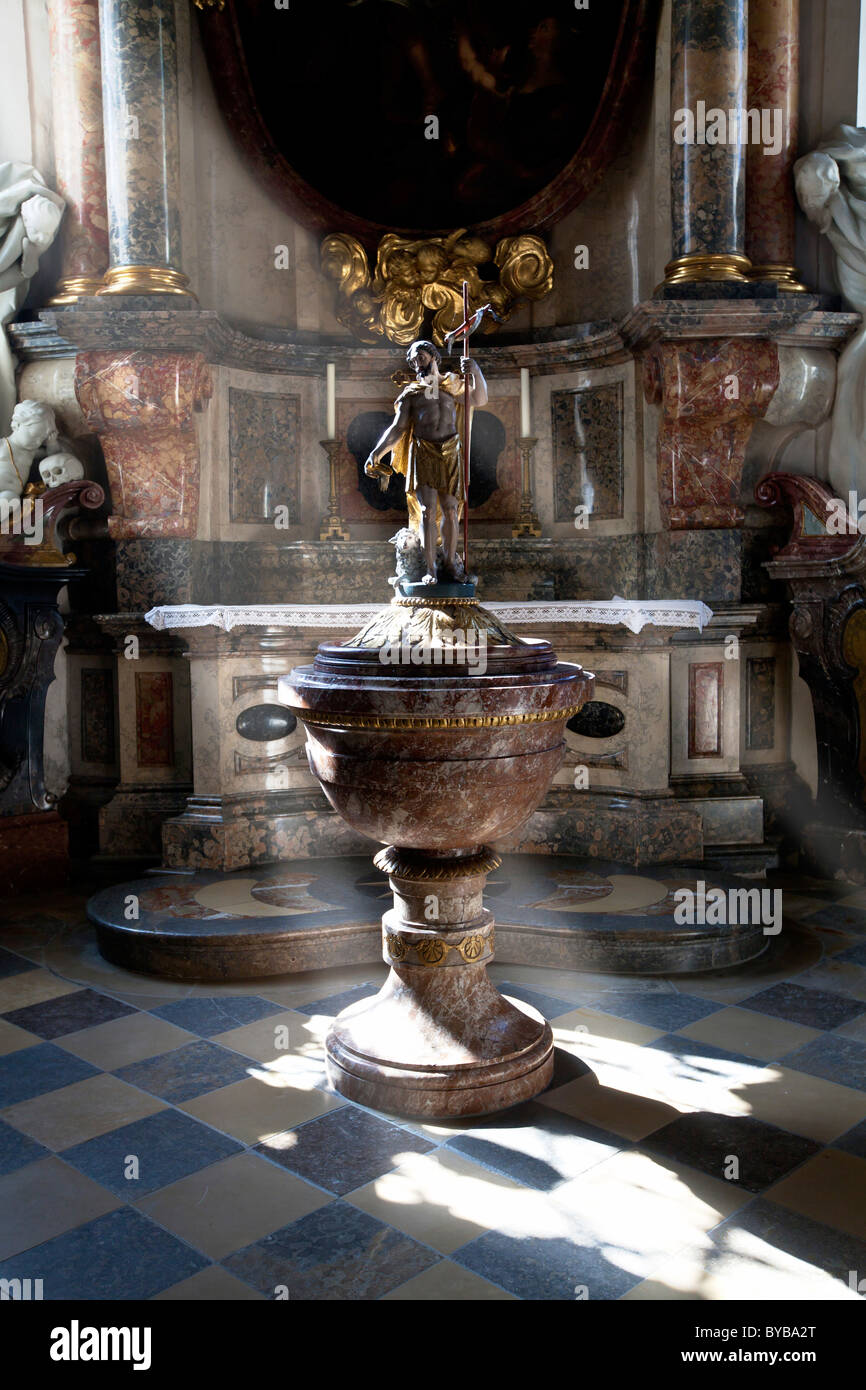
(587,434)
(205,695)
(97,715)
(154,719)
(151,572)
(760,702)
(638,684)
(344,572)
(148,737)
(609,414)
(705,711)
(248,767)
(260,448)
(706,700)
(735,820)
(604,827)
(693,564)
(264,455)
(766,703)
(223,686)
(90,716)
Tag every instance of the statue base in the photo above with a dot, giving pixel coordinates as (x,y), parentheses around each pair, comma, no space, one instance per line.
(441,589)
(472,1051)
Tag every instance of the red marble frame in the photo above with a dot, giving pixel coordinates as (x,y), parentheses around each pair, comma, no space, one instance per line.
(223,49)
(154,719)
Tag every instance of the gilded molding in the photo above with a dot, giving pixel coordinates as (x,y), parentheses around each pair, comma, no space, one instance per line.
(415,277)
(706,267)
(433,951)
(464,721)
(145,279)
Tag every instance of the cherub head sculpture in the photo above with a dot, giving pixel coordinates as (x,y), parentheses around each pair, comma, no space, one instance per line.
(33,425)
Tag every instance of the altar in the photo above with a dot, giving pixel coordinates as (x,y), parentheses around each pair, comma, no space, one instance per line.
(689,704)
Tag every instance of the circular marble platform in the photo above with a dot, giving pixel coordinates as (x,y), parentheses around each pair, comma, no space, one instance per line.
(312,914)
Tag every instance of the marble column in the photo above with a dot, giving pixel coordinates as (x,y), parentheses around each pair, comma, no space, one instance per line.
(140,99)
(708,81)
(774,73)
(79,158)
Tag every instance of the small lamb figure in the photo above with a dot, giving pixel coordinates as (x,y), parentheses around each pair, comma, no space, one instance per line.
(409,558)
(411,566)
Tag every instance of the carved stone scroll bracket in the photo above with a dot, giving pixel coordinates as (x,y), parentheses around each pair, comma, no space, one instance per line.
(142,407)
(712,391)
(819,516)
(44,510)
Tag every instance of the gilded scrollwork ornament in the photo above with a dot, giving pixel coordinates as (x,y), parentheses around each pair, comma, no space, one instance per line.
(414,279)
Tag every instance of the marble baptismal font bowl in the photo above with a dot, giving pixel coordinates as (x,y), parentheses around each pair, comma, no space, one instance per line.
(434,758)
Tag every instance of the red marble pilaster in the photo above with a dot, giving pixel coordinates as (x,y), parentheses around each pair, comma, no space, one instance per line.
(712,391)
(774,75)
(79,151)
(142,406)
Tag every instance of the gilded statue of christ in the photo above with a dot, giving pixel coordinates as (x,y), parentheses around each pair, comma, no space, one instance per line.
(424,441)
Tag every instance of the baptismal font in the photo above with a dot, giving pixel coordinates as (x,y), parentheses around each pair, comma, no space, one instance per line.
(435,731)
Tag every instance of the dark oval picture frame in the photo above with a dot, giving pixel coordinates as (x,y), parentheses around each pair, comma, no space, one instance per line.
(504,85)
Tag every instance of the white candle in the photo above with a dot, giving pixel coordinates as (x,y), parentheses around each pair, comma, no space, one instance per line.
(331,430)
(525,416)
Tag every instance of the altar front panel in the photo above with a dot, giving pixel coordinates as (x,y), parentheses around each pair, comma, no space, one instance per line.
(637,781)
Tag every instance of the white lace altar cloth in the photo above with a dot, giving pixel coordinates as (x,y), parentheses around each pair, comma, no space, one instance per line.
(634,614)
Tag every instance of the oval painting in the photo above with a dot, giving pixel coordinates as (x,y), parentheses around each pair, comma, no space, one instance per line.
(420,116)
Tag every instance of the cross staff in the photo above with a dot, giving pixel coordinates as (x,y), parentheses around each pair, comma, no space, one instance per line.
(468,326)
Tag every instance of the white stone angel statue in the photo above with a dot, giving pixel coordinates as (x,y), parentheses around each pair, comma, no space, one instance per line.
(831,187)
(34,435)
(30,214)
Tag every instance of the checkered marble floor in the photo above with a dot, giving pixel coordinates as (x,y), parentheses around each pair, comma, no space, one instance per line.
(703,1138)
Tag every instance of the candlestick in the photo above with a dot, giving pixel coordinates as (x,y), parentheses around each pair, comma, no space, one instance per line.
(525,411)
(527,522)
(332,528)
(331,427)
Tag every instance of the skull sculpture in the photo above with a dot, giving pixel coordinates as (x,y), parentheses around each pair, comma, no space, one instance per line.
(60,468)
